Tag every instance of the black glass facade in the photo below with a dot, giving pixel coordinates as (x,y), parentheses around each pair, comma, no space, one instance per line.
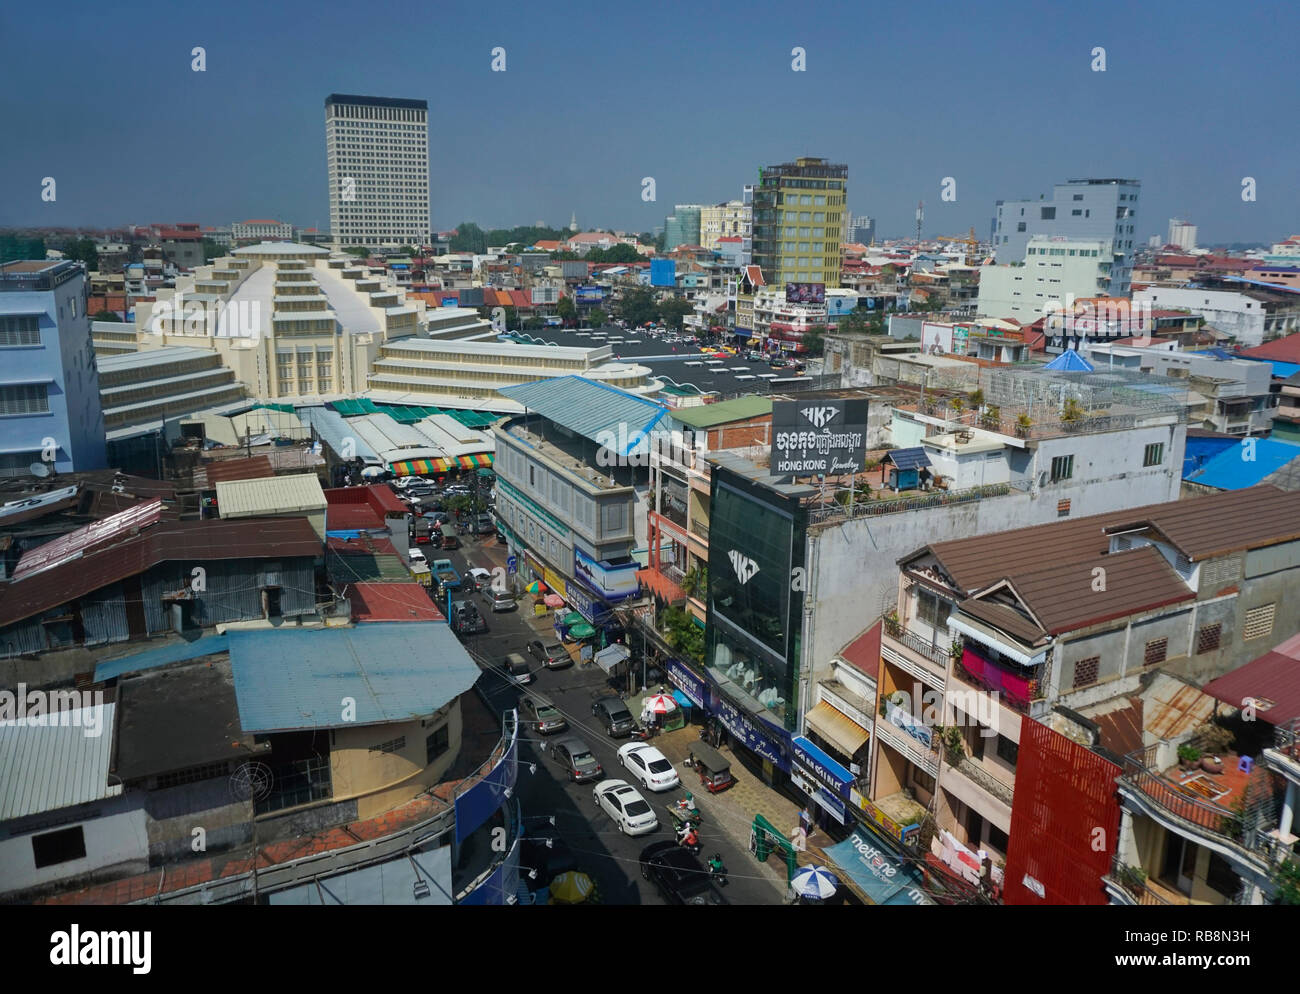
(756,547)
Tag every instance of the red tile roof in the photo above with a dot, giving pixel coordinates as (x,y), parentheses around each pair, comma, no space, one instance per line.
(1282,350)
(391,602)
(863,653)
(359,508)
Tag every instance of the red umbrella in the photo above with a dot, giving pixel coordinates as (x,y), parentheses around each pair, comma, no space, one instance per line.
(660,704)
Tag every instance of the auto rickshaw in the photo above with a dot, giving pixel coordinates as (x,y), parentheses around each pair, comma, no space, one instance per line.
(714,771)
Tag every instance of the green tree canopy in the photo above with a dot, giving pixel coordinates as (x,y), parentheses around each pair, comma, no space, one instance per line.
(565,309)
(211,250)
(105,316)
(14,248)
(814,339)
(637,306)
(597,317)
(673,309)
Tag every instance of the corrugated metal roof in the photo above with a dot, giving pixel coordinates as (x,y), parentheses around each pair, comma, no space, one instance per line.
(710,415)
(206,644)
(394,671)
(225,470)
(270,495)
(50,766)
(1273,678)
(265,538)
(77,543)
(333,430)
(592,410)
(1173,707)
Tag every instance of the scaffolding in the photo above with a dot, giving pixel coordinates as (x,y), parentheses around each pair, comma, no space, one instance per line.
(1115,396)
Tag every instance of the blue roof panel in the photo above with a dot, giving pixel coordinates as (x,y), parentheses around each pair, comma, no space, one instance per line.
(298,678)
(1070,361)
(1232,470)
(176,652)
(593,410)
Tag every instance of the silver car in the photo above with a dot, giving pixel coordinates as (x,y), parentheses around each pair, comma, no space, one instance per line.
(577,759)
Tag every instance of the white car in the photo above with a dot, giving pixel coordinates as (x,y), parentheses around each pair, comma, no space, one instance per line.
(481,577)
(620,800)
(416,556)
(648,765)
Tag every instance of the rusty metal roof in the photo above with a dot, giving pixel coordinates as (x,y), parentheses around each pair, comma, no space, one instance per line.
(196,541)
(1173,708)
(1272,681)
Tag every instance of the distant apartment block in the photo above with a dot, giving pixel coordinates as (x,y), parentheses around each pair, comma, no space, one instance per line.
(261,230)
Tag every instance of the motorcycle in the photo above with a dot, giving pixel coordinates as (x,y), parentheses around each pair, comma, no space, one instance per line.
(717,871)
(647,732)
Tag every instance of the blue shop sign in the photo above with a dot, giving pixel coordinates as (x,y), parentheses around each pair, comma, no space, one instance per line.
(821,768)
(682,677)
(749,733)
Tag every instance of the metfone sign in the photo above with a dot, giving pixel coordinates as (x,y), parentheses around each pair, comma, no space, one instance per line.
(818,437)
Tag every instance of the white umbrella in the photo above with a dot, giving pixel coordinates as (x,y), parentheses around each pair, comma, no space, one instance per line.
(814,881)
(660,704)
(371,471)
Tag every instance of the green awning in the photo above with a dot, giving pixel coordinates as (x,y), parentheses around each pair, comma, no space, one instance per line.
(582,631)
(573,618)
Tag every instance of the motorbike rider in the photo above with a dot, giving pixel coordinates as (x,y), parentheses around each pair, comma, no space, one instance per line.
(687,836)
(717,869)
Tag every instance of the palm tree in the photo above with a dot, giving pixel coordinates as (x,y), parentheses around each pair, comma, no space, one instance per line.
(976,399)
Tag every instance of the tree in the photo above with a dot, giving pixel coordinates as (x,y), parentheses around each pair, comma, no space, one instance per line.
(637,306)
(673,309)
(13,248)
(597,317)
(407,250)
(854,323)
(1286,880)
(105,316)
(565,309)
(211,250)
(814,340)
(360,251)
(82,250)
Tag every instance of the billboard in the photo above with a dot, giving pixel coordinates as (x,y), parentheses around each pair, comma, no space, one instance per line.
(818,437)
(588,295)
(614,582)
(805,293)
(663,272)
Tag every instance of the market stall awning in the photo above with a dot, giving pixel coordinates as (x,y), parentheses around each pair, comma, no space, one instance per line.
(877,873)
(479,460)
(837,728)
(611,656)
(420,467)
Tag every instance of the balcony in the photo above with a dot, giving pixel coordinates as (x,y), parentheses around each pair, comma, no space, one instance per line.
(1129,885)
(915,655)
(1215,808)
(1015,690)
(904,742)
(700,528)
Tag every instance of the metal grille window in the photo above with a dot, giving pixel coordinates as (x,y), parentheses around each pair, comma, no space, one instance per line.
(193,774)
(1207,637)
(1153,454)
(1063,508)
(1155,651)
(25,398)
(392,745)
(17,330)
(1062,468)
(1259,622)
(1085,671)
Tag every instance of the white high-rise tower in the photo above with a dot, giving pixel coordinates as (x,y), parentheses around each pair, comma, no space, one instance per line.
(573,223)
(377,150)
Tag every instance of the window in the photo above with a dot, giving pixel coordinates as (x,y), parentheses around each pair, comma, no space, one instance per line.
(1008,750)
(933,610)
(1085,671)
(1077,212)
(25,398)
(59,847)
(1154,454)
(1063,508)
(1047,213)
(1155,652)
(18,330)
(1078,196)
(1259,622)
(1020,226)
(1062,468)
(998,839)
(1220,876)
(392,745)
(1207,637)
(436,744)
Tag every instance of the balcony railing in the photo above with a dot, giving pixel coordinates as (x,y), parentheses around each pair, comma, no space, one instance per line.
(1286,739)
(1012,700)
(937,654)
(1133,882)
(1245,828)
(700,528)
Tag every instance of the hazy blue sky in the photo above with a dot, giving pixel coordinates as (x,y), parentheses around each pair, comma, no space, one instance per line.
(1196,95)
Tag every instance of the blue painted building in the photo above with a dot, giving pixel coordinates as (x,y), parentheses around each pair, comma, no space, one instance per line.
(49,386)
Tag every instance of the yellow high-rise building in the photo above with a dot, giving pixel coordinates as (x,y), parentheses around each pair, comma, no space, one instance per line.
(799,210)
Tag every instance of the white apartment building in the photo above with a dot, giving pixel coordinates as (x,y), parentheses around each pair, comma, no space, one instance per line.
(377,151)
(1053,268)
(1238,313)
(261,230)
(1182,234)
(1081,209)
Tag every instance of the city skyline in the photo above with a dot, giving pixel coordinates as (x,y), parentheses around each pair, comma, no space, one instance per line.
(905,101)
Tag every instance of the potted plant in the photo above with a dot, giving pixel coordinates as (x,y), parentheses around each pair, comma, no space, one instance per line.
(1023,423)
(892,625)
(1188,756)
(992,418)
(1212,764)
(955,649)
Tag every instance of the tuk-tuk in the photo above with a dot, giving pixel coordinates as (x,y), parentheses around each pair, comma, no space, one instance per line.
(714,771)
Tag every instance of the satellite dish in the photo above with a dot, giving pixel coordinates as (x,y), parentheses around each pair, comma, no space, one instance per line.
(39,469)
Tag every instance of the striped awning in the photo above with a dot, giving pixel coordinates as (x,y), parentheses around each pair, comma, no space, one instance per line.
(479,460)
(420,467)
(837,728)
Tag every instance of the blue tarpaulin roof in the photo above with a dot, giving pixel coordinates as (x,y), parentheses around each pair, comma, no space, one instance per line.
(877,872)
(912,458)
(1244,465)
(300,678)
(593,410)
(1070,361)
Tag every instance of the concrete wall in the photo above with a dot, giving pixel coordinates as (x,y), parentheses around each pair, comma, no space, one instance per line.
(114,833)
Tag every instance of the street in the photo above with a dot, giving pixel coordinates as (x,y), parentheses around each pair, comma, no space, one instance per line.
(599,848)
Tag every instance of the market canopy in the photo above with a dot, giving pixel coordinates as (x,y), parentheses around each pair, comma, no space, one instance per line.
(877,872)
(573,618)
(582,631)
(611,656)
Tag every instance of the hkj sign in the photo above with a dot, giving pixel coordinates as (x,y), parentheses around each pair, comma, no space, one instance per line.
(818,437)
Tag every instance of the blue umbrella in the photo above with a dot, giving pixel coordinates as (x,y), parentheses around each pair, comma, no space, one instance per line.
(814,881)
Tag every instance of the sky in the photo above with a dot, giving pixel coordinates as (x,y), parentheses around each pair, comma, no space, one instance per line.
(1001,97)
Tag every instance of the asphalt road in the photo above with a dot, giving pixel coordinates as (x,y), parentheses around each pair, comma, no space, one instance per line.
(599,848)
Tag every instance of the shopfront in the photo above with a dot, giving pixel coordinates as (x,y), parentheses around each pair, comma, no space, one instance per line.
(877,873)
(822,778)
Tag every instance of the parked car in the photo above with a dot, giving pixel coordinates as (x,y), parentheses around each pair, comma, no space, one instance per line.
(500,600)
(630,811)
(484,525)
(552,655)
(648,765)
(481,577)
(543,716)
(576,757)
(679,876)
(516,668)
(416,556)
(614,715)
